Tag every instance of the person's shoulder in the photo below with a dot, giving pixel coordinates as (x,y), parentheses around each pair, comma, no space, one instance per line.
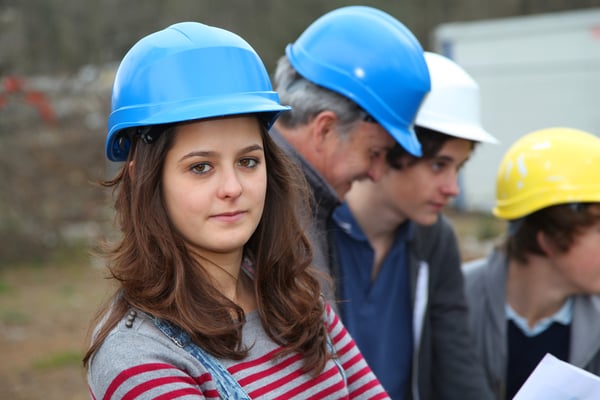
(134,339)
(490,264)
(135,353)
(474,267)
(440,228)
(334,324)
(474,272)
(588,302)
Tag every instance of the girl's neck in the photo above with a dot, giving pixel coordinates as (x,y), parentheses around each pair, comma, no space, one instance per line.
(229,278)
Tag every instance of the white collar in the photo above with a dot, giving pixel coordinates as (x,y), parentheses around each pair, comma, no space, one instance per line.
(563,316)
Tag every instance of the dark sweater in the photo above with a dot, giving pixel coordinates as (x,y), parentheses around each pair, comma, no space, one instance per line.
(525,352)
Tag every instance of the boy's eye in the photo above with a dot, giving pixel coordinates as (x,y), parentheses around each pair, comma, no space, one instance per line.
(438,165)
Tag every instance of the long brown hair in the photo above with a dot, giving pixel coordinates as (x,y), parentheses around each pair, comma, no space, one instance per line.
(157,275)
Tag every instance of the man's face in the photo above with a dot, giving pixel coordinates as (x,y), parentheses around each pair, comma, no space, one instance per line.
(359,154)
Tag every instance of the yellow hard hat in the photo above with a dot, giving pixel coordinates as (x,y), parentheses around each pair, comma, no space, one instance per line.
(545,168)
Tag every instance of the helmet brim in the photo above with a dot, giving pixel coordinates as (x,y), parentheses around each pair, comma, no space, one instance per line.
(188,110)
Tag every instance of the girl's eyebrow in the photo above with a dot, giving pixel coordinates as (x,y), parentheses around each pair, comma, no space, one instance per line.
(251,148)
(198,154)
(244,150)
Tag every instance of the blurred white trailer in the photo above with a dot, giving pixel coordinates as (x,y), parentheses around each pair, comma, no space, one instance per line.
(534,72)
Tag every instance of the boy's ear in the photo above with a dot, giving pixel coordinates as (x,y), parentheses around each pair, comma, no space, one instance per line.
(546,244)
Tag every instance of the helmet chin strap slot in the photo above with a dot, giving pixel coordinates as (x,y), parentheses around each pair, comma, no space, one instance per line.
(121,145)
(147,134)
(150,133)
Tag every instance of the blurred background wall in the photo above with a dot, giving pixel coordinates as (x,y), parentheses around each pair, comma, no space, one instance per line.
(57,60)
(58,36)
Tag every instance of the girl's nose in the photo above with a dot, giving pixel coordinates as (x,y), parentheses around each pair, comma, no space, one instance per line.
(230,184)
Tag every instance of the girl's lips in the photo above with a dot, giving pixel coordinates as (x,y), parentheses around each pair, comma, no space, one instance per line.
(229,216)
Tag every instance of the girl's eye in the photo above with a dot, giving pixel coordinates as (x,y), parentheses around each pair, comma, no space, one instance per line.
(201,168)
(248,162)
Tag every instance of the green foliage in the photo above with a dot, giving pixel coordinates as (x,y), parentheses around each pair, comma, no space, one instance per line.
(5,288)
(26,252)
(58,360)
(14,317)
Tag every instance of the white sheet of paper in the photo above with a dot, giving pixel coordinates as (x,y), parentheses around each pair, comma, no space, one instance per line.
(554,379)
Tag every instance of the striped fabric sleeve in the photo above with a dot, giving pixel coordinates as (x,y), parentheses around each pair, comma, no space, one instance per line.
(127,369)
(154,381)
(362,382)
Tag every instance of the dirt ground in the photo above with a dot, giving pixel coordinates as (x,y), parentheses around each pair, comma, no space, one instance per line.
(45,312)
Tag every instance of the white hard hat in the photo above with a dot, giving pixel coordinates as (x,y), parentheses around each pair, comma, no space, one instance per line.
(452,105)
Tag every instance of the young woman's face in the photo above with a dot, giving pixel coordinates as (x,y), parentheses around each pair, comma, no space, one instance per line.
(580,265)
(419,192)
(214,183)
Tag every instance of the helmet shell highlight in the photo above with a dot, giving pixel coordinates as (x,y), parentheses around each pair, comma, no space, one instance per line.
(371,58)
(453,105)
(545,168)
(187,71)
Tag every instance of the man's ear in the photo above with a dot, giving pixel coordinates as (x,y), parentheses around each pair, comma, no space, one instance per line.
(323,129)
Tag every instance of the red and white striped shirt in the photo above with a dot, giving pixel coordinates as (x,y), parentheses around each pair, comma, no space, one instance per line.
(142,363)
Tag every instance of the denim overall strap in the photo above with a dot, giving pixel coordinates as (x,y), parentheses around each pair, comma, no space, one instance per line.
(335,358)
(331,348)
(227,386)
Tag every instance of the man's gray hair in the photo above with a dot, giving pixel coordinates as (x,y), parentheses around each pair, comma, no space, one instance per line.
(308,99)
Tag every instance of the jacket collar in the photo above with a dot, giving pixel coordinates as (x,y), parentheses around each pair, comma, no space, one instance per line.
(585,330)
(495,285)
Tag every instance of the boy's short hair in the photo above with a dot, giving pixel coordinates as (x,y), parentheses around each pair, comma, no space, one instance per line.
(431,143)
(560,223)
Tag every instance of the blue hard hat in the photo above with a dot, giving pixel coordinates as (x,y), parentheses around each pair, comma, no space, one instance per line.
(371,58)
(187,71)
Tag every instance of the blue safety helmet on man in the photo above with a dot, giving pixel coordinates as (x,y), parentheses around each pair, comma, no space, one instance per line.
(187,71)
(371,58)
